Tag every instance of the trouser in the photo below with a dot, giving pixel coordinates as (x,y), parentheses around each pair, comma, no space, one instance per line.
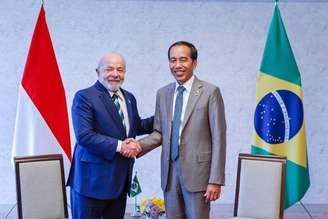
(84,207)
(179,202)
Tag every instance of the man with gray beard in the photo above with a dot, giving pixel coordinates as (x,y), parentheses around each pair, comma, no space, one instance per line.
(104,116)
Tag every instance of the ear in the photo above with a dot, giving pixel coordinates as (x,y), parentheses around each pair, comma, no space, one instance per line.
(194,64)
(98,72)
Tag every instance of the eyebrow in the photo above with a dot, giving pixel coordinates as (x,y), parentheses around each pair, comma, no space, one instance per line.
(182,57)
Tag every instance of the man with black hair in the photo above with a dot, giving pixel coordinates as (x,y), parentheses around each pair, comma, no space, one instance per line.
(190,125)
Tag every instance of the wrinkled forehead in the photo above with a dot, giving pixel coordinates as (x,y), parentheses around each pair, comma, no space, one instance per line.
(112,60)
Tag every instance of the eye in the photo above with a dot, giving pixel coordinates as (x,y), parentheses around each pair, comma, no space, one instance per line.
(172,60)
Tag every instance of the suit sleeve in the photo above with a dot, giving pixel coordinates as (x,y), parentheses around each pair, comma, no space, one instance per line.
(155,138)
(83,120)
(144,126)
(218,132)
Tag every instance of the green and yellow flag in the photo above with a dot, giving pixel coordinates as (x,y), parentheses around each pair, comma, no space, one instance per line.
(279,117)
(135,186)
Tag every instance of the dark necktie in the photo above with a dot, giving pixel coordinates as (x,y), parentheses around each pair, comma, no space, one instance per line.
(176,123)
(119,109)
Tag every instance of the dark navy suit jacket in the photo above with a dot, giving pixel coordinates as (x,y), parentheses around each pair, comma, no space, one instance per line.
(97,170)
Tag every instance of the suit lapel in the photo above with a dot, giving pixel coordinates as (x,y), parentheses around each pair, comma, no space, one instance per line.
(129,109)
(169,105)
(110,106)
(195,93)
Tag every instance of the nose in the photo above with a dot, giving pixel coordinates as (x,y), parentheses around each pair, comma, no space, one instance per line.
(115,73)
(177,64)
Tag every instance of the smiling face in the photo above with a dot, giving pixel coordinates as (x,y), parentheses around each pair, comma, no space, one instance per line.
(111,71)
(181,64)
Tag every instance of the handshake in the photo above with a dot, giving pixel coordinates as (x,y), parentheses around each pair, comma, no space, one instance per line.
(130,148)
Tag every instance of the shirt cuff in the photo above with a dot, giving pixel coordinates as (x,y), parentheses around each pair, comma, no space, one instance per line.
(119,146)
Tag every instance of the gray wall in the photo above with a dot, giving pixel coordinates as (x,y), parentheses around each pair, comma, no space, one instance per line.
(230,37)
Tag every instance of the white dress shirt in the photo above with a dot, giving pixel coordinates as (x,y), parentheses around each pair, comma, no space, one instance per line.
(186,94)
(122,102)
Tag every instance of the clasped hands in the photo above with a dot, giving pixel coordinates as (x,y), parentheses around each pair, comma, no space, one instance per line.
(130,148)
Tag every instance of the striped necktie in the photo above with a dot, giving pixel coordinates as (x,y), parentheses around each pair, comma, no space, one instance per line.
(115,98)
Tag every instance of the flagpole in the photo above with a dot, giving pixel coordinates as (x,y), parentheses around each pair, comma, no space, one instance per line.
(135,200)
(307,211)
(135,206)
(12,208)
(135,213)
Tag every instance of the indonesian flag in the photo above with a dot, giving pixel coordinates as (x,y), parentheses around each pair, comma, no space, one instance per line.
(41,120)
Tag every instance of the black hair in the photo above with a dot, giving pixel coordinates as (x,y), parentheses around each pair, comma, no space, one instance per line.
(193,49)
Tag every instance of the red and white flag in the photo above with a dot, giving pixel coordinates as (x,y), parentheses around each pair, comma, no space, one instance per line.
(42,125)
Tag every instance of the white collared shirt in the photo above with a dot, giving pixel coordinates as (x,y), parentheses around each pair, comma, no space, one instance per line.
(121,100)
(186,94)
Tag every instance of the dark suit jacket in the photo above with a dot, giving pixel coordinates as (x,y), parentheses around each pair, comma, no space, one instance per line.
(97,170)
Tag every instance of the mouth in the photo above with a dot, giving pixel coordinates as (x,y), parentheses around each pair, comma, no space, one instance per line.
(179,73)
(114,81)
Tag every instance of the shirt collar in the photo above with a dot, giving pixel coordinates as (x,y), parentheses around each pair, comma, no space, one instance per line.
(187,84)
(118,93)
(111,93)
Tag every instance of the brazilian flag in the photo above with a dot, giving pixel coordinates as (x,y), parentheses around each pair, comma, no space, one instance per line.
(135,187)
(279,117)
